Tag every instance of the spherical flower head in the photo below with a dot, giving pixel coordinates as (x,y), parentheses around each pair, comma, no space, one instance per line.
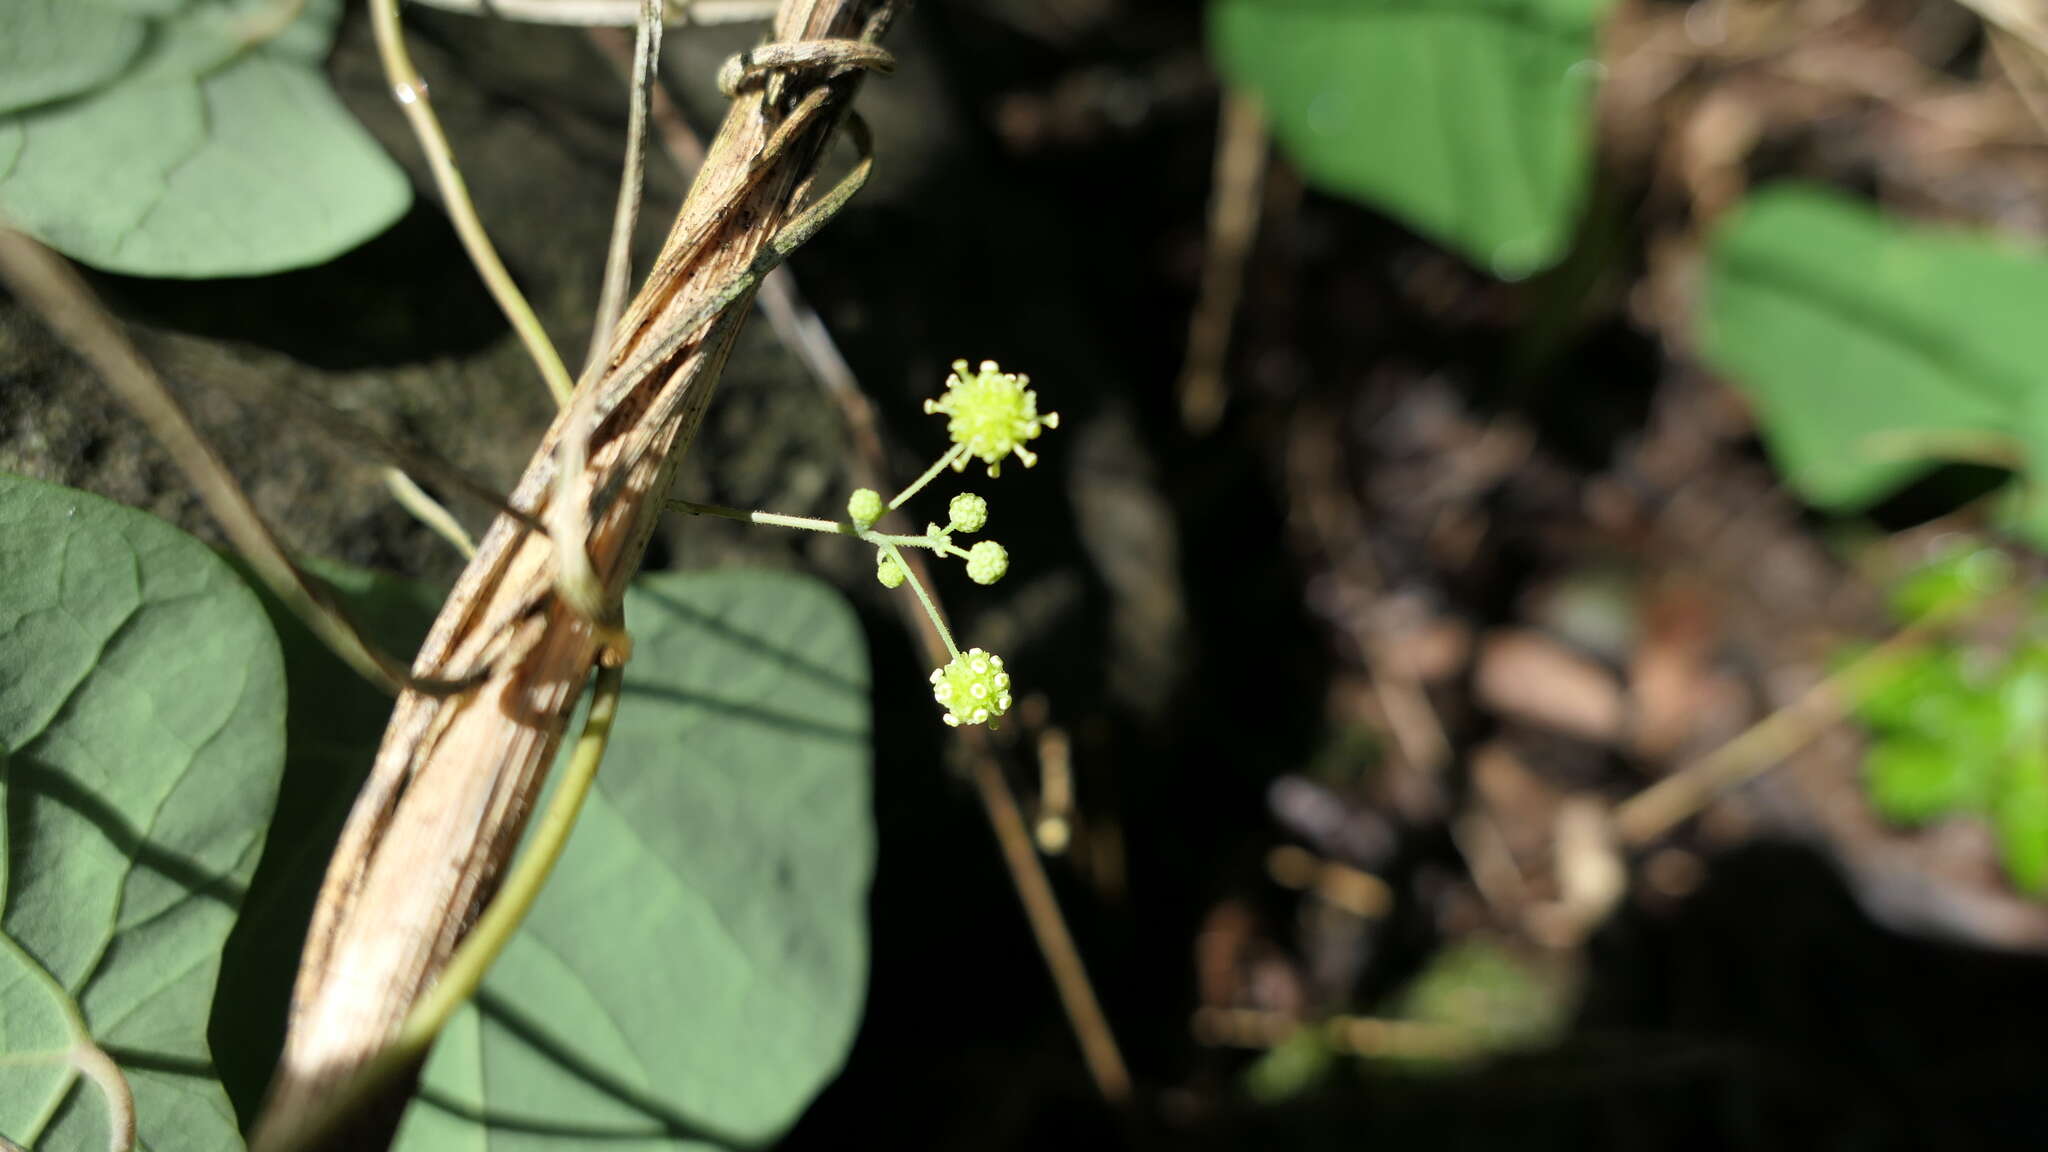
(864,507)
(888,571)
(968,512)
(986,562)
(974,689)
(992,413)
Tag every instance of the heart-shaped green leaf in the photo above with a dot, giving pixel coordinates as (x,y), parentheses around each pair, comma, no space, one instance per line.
(1471,120)
(219,151)
(50,49)
(142,703)
(697,963)
(1874,348)
(694,970)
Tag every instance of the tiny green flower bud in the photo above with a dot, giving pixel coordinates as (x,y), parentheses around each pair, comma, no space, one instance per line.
(865,507)
(973,688)
(992,413)
(986,562)
(888,571)
(968,511)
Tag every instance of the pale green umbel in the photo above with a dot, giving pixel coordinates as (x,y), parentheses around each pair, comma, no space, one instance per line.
(973,687)
(992,414)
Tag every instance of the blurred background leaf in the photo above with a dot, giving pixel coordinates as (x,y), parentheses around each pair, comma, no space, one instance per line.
(1470,122)
(1875,348)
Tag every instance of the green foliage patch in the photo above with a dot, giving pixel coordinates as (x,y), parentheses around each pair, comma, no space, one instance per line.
(142,706)
(691,976)
(1488,992)
(185,139)
(696,966)
(1960,729)
(1470,120)
(99,40)
(694,970)
(1875,349)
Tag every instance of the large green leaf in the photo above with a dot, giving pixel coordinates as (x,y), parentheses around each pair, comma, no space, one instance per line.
(694,970)
(142,702)
(1471,120)
(91,42)
(220,151)
(1874,348)
(698,961)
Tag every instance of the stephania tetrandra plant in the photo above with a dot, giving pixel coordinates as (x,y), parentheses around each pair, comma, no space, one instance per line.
(991,415)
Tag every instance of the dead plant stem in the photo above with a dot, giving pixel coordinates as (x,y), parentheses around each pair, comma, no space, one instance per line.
(1656,810)
(448,796)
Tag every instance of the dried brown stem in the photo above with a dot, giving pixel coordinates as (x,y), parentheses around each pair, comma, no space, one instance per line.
(1239,184)
(1669,802)
(455,779)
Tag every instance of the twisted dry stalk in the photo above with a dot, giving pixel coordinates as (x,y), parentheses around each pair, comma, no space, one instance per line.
(455,778)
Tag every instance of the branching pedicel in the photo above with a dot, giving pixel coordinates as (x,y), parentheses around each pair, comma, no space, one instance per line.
(991,415)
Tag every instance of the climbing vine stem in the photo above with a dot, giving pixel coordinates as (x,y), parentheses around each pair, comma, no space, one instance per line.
(411,92)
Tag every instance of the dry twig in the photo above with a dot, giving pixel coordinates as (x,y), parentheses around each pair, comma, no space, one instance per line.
(1669,802)
(1239,183)
(454,780)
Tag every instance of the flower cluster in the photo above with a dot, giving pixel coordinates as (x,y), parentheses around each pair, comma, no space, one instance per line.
(991,413)
(973,688)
